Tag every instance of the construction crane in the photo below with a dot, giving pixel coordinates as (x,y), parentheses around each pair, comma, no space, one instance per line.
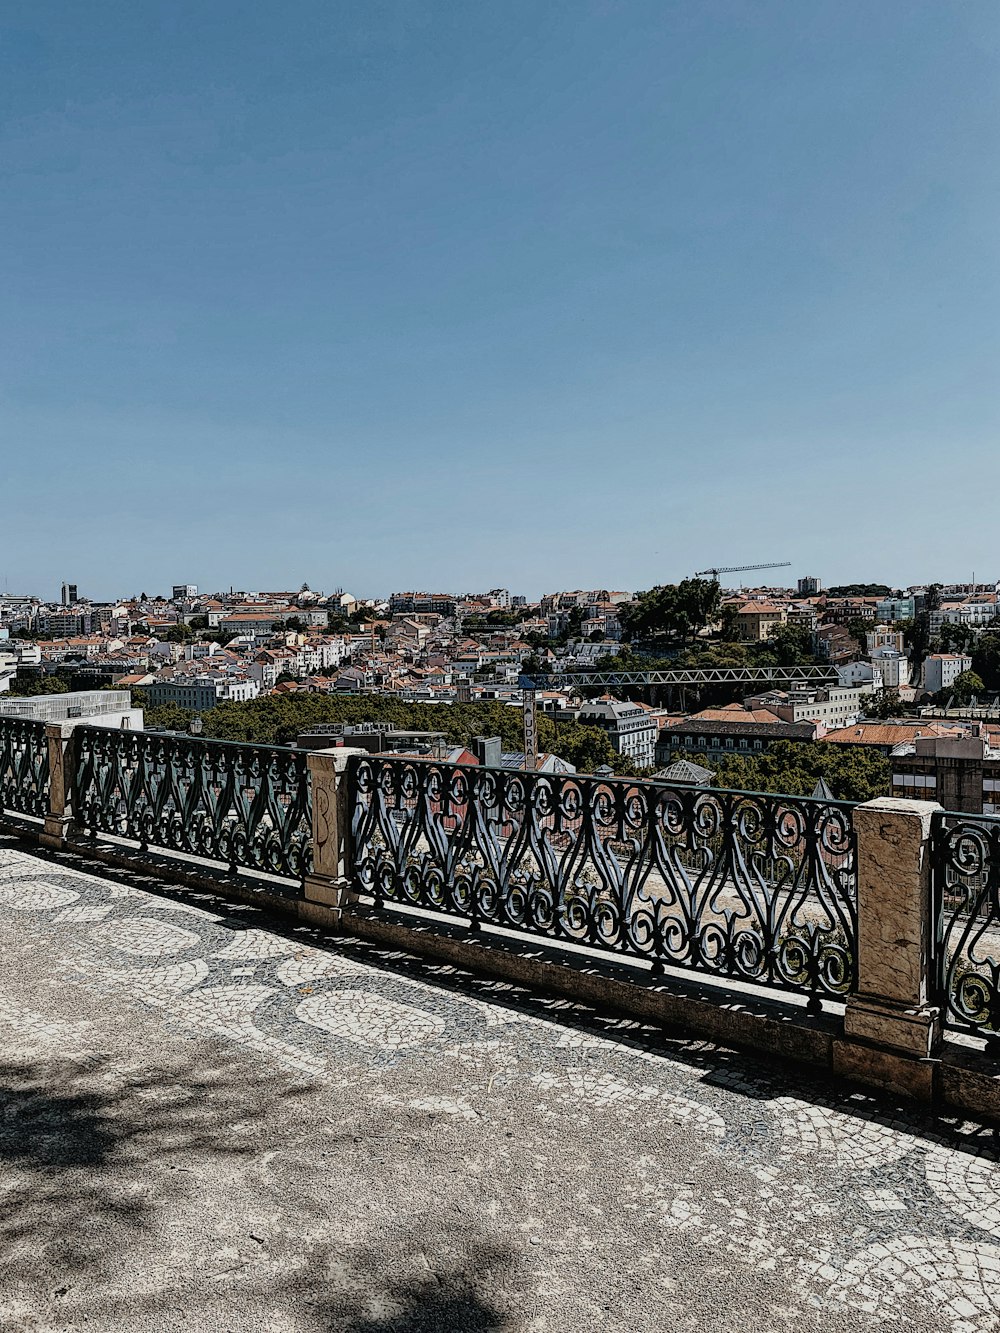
(741,569)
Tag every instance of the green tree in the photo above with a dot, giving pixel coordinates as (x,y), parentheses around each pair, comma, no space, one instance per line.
(791,645)
(965,687)
(852,772)
(859,627)
(26,687)
(673,612)
(956,638)
(586,748)
(859,590)
(986,660)
(162,717)
(917,639)
(730,627)
(886,704)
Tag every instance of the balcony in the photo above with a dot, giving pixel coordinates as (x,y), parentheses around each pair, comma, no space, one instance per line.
(417,1046)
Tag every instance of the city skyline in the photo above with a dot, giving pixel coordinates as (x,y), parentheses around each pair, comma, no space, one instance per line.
(163,589)
(683,284)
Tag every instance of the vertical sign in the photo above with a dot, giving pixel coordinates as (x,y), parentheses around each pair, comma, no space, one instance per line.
(530,730)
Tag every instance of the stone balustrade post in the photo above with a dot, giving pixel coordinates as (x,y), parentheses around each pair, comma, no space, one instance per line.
(59,815)
(892,1030)
(328,885)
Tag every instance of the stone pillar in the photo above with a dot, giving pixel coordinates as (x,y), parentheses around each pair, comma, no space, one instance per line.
(59,816)
(892,1031)
(328,884)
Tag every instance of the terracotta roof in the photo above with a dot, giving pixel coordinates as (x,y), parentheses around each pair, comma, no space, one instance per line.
(885,733)
(735,713)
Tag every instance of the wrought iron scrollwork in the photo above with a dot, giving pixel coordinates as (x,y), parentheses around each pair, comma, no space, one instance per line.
(966,870)
(24,767)
(756,887)
(247,805)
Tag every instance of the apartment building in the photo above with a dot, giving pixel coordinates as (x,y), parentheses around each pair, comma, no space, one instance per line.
(941,670)
(441,603)
(959,772)
(833,705)
(884,638)
(892,666)
(890,609)
(756,620)
(714,733)
(630,728)
(975,612)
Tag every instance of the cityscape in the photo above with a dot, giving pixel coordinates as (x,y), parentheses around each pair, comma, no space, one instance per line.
(854,691)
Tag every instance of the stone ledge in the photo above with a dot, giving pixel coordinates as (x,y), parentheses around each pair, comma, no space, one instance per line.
(969,1080)
(879,1067)
(719,1014)
(912,1031)
(330,892)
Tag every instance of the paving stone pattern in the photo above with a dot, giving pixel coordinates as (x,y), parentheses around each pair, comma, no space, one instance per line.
(310,1133)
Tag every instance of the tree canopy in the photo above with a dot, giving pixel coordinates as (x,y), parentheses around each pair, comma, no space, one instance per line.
(25,686)
(672,611)
(963,689)
(986,661)
(279,719)
(852,772)
(859,590)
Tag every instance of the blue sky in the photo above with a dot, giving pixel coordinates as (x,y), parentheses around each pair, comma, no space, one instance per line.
(452,295)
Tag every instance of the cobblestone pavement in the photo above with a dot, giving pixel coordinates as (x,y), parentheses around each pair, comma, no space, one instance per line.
(212,1121)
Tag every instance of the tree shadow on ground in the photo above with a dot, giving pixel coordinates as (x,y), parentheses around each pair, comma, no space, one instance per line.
(438,1278)
(91,1149)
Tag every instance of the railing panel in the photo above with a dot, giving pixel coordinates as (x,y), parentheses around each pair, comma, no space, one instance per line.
(965,851)
(24,767)
(756,887)
(246,805)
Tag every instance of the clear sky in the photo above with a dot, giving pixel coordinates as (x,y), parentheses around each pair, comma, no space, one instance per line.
(542,293)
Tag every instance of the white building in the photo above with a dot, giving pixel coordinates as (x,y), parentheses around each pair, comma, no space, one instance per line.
(8,669)
(834,706)
(975,613)
(892,666)
(105,708)
(860,675)
(631,730)
(941,670)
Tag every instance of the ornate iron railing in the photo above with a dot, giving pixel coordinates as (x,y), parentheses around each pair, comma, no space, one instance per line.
(756,887)
(965,869)
(247,805)
(24,767)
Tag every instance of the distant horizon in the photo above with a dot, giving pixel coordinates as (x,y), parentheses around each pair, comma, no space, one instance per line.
(587,292)
(326,591)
